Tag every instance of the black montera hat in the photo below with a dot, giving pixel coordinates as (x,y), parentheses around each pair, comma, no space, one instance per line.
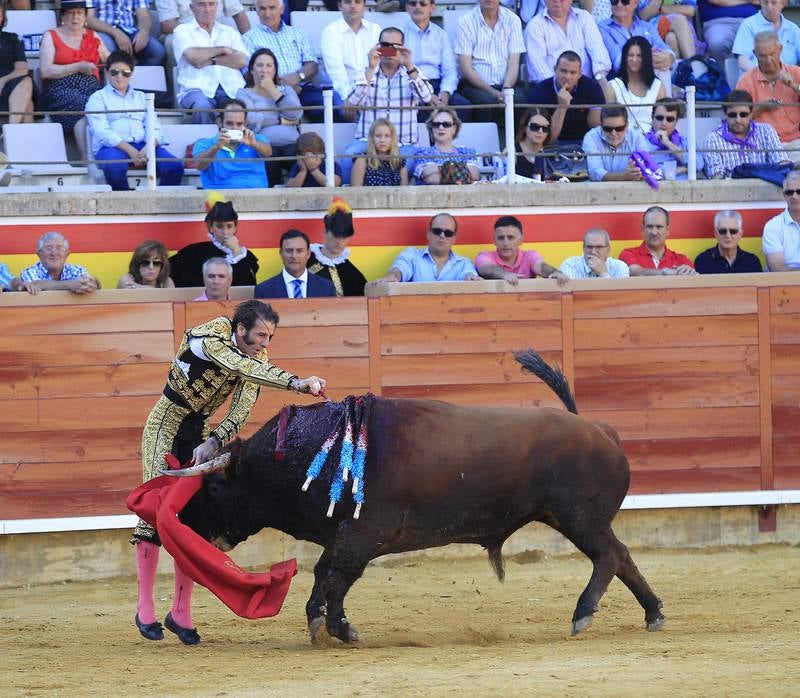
(222,211)
(339,218)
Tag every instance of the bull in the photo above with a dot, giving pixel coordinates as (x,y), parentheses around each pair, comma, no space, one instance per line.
(435,474)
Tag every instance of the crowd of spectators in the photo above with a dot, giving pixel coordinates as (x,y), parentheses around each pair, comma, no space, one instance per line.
(612,54)
(325,270)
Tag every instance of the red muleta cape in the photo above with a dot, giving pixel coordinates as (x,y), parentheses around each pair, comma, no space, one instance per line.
(248,594)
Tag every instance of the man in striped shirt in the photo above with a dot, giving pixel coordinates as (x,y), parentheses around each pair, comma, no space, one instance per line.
(489,44)
(125,25)
(391,88)
(739,140)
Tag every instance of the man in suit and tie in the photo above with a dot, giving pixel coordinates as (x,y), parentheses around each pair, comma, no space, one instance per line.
(295,281)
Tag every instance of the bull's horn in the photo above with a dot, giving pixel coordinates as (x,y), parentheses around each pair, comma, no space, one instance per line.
(212,466)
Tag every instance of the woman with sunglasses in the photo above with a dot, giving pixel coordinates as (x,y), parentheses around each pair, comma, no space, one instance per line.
(118,129)
(149,267)
(668,147)
(636,85)
(435,164)
(532,134)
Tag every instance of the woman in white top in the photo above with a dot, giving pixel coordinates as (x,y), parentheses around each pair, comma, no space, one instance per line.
(636,85)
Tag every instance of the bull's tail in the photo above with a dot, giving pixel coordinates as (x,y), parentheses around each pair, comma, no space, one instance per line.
(550,375)
(496,560)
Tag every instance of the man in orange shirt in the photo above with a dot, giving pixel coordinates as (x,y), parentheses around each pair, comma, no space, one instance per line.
(652,257)
(775,87)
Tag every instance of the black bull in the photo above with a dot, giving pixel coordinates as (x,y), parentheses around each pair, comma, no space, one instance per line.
(435,474)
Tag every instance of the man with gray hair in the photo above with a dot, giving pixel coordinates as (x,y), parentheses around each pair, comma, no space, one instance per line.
(595,262)
(775,88)
(769,19)
(781,240)
(726,257)
(51,272)
(217,279)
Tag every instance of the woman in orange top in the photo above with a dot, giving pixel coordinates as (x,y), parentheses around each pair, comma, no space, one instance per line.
(69,57)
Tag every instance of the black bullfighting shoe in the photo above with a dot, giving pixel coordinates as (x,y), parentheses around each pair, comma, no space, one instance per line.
(150,631)
(188,636)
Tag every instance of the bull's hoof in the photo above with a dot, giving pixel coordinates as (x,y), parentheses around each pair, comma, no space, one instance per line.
(344,631)
(581,624)
(319,632)
(657,624)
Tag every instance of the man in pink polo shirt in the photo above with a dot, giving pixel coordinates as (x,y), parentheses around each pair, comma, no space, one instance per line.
(652,258)
(510,263)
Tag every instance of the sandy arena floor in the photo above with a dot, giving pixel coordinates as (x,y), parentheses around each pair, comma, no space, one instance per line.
(433,627)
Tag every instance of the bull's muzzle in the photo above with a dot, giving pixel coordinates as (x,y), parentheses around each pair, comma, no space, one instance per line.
(212,466)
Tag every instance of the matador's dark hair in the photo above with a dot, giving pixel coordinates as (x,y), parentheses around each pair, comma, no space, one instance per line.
(248,312)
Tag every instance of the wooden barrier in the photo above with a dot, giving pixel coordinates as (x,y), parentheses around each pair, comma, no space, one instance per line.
(700,376)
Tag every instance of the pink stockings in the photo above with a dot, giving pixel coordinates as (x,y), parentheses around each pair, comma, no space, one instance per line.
(146,564)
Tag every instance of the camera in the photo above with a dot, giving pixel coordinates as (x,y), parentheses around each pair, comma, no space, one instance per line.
(388,50)
(234,134)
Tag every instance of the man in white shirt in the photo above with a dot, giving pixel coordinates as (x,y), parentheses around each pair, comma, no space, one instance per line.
(595,262)
(209,56)
(345,44)
(489,44)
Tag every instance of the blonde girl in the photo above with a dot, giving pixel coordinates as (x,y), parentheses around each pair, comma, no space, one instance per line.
(382,166)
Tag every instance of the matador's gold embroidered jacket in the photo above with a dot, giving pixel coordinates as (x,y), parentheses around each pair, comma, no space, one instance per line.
(203,385)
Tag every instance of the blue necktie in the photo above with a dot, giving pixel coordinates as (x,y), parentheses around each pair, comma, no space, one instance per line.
(298,288)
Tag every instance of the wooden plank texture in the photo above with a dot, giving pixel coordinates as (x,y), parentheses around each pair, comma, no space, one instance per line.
(510,307)
(88,349)
(81,381)
(676,424)
(469,338)
(88,319)
(785,360)
(64,504)
(305,342)
(469,369)
(74,476)
(784,299)
(683,454)
(100,445)
(75,413)
(690,364)
(705,480)
(786,329)
(510,395)
(307,312)
(694,331)
(665,303)
(613,393)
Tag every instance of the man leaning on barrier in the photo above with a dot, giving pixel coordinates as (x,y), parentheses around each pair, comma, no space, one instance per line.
(52,273)
(595,262)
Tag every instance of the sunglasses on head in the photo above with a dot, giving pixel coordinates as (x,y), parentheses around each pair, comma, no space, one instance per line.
(617,2)
(789,192)
(443,231)
(664,117)
(151,263)
(615,129)
(727,231)
(542,128)
(740,114)
(441,124)
(116,71)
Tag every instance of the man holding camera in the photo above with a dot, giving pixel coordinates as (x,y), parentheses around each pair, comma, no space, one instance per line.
(233,159)
(390,88)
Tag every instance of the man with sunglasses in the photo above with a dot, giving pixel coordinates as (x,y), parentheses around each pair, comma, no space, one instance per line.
(567,85)
(668,147)
(653,257)
(726,257)
(118,128)
(437,262)
(781,239)
(608,147)
(775,87)
(433,53)
(622,25)
(739,140)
